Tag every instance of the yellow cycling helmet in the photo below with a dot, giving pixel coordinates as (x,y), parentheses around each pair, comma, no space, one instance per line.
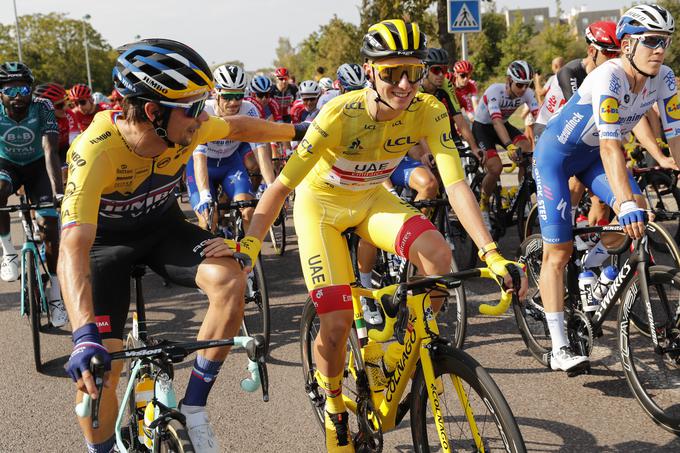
(394,38)
(161,69)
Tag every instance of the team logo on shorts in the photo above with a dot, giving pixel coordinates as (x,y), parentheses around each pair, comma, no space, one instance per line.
(609,110)
(672,108)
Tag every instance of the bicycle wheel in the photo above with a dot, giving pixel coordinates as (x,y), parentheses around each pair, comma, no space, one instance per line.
(277,233)
(663,198)
(653,374)
(452,316)
(256,313)
(464,248)
(529,313)
(493,423)
(33,303)
(175,439)
(531,224)
(309,329)
(526,199)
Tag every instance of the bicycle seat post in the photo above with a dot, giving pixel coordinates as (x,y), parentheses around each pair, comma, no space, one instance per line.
(137,273)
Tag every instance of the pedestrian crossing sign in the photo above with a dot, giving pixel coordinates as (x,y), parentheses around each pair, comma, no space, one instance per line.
(464,16)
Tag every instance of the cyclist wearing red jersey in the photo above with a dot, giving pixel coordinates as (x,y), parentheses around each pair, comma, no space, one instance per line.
(261,90)
(305,109)
(284,93)
(66,120)
(84,107)
(466,88)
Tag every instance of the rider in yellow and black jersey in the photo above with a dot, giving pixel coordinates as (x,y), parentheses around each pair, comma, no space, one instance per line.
(352,146)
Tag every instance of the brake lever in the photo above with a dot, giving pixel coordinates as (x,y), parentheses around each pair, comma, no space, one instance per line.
(260,359)
(97,369)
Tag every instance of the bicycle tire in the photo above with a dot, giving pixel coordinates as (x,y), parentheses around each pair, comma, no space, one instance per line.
(524,200)
(256,313)
(175,438)
(32,291)
(529,313)
(277,233)
(658,200)
(452,317)
(638,355)
(476,382)
(133,415)
(531,224)
(464,248)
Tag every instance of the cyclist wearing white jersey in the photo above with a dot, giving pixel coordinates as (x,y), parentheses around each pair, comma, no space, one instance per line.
(491,126)
(585,140)
(351,77)
(221,162)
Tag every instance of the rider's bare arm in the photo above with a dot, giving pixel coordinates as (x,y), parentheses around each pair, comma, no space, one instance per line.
(247,129)
(74,273)
(645,135)
(52,162)
(614,163)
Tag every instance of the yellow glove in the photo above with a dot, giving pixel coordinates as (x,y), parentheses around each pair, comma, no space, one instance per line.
(513,151)
(497,265)
(249,246)
(661,143)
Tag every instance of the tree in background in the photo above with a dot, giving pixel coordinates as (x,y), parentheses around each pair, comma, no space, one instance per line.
(52,46)
(484,48)
(515,45)
(555,40)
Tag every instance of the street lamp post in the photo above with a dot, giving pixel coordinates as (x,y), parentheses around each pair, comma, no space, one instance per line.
(16,21)
(86,17)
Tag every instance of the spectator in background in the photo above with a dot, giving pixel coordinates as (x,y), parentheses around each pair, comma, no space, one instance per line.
(320,72)
(541,91)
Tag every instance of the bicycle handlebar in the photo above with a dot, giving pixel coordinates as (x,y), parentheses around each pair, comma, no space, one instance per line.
(29,206)
(238,204)
(255,348)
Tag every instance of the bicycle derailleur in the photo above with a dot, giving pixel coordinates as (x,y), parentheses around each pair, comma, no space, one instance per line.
(369,437)
(580,334)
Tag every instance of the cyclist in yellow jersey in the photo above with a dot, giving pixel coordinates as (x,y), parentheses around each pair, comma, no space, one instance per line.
(352,146)
(119,210)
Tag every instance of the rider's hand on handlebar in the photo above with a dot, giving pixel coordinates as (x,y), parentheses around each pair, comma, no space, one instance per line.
(481,155)
(514,152)
(249,246)
(86,343)
(204,201)
(499,267)
(632,218)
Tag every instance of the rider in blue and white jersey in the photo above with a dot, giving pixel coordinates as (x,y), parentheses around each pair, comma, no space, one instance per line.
(351,77)
(585,140)
(221,162)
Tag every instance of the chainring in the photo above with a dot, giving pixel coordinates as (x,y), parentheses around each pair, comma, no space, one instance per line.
(368,439)
(580,333)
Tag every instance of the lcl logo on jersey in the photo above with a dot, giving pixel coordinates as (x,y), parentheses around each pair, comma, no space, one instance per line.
(399,144)
(672,108)
(446,140)
(353,109)
(609,110)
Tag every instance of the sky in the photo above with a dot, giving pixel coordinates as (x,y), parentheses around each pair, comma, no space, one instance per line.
(223,30)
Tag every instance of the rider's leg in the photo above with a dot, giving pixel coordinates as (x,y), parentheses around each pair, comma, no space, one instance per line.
(493,166)
(424,182)
(264,161)
(366,257)
(5,236)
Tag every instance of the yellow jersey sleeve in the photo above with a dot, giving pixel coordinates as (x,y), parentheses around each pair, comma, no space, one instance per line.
(324,133)
(214,129)
(90,171)
(435,121)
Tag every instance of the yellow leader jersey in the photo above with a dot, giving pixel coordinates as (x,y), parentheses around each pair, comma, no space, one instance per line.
(111,186)
(345,150)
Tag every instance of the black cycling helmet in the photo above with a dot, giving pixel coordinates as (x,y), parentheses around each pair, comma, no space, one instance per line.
(394,38)
(161,69)
(436,57)
(12,71)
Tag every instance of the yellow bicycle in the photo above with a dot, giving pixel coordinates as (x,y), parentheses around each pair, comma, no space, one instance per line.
(455,405)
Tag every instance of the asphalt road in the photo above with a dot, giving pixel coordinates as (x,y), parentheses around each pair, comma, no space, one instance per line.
(588,413)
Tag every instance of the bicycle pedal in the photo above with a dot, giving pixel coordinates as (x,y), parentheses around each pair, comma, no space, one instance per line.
(581,371)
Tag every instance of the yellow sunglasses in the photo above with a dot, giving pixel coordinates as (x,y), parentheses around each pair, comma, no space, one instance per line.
(392,73)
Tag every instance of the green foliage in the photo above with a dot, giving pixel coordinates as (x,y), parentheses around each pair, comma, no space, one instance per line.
(52,46)
(672,58)
(373,11)
(333,44)
(515,45)
(484,51)
(556,40)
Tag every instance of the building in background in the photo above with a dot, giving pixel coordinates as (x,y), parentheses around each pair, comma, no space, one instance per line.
(577,18)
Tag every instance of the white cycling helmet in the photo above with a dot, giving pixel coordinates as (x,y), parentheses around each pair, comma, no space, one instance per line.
(351,76)
(645,18)
(309,88)
(230,77)
(520,72)
(326,83)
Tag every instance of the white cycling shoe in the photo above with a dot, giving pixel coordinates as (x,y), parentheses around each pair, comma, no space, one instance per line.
(9,270)
(58,315)
(200,432)
(371,311)
(568,360)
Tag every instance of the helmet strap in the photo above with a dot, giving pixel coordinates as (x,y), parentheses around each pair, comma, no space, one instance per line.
(378,99)
(160,125)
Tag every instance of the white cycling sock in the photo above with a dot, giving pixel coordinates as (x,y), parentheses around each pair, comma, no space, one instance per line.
(55,289)
(556,328)
(365,278)
(596,256)
(7,246)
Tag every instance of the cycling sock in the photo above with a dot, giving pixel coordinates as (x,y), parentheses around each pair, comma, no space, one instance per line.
(55,289)
(556,328)
(7,246)
(365,278)
(333,389)
(201,381)
(596,256)
(104,447)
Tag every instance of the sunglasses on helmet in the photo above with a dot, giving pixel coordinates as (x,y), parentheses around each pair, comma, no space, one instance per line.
(393,73)
(653,41)
(23,90)
(233,96)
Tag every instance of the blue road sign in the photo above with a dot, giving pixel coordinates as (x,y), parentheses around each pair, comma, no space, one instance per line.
(464,16)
